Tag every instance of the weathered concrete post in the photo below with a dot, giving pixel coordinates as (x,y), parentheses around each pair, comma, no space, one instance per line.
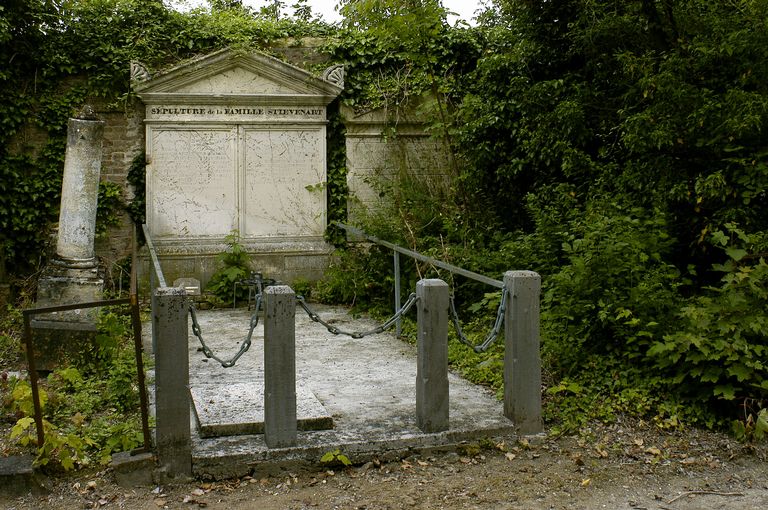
(432,362)
(280,424)
(522,360)
(172,401)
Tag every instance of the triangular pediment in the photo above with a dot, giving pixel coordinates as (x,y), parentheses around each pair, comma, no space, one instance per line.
(230,73)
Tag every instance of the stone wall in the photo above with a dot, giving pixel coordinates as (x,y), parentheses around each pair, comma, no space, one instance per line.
(381,153)
(123,141)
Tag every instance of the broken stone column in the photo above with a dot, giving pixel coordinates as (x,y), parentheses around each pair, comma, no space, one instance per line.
(80,192)
(74,275)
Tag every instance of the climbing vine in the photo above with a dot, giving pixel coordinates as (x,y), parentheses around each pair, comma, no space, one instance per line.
(137,179)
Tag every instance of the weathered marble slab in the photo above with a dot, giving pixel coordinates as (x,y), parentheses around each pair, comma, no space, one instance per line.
(284,182)
(238,409)
(236,141)
(192,185)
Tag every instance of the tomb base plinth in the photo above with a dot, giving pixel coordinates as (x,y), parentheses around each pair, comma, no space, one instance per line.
(59,336)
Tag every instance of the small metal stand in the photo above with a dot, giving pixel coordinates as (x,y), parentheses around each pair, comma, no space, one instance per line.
(256,285)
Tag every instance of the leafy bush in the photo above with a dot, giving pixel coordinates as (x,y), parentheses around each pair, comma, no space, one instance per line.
(357,276)
(614,292)
(10,336)
(717,352)
(90,408)
(236,266)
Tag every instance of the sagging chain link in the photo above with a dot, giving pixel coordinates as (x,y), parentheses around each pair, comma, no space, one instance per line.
(359,334)
(492,334)
(243,348)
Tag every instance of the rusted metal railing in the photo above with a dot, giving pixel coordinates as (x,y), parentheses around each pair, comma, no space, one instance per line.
(133,301)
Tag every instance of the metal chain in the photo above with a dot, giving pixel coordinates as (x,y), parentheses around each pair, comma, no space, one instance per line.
(492,335)
(243,348)
(359,334)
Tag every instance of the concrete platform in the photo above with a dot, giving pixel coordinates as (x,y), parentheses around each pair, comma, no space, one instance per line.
(366,385)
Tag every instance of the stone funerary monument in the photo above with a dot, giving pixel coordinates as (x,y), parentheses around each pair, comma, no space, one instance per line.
(236,141)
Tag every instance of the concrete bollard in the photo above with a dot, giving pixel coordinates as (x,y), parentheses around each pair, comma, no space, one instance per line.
(172,401)
(522,360)
(432,362)
(280,426)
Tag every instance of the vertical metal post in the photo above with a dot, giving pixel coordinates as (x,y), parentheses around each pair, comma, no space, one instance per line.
(399,323)
(137,345)
(136,322)
(33,381)
(153,303)
(522,360)
(432,360)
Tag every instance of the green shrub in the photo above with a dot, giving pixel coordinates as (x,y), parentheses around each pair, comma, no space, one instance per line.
(235,266)
(718,350)
(90,408)
(614,292)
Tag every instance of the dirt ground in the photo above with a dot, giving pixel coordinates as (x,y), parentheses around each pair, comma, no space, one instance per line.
(615,467)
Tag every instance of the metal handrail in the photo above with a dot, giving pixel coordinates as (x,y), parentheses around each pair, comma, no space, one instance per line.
(418,256)
(133,300)
(153,256)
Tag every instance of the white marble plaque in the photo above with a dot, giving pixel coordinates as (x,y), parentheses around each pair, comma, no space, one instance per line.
(284,191)
(236,141)
(252,113)
(192,182)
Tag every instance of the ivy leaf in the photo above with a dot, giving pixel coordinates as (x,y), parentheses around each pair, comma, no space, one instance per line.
(741,372)
(761,427)
(21,425)
(329,456)
(719,238)
(736,253)
(726,391)
(67,463)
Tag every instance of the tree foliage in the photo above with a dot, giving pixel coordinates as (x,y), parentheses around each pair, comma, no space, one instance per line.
(608,146)
(651,114)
